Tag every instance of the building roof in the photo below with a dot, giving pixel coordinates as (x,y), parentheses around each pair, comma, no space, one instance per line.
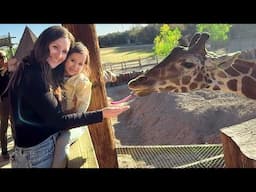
(26,44)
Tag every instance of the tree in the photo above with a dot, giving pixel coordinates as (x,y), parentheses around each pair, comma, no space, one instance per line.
(218,32)
(166,40)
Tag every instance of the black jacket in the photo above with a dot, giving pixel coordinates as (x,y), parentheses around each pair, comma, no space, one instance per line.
(36,112)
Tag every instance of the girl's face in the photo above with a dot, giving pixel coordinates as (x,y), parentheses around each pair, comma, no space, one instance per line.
(58,50)
(75,64)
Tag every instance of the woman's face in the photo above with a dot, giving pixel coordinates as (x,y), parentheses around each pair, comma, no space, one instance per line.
(58,50)
(74,64)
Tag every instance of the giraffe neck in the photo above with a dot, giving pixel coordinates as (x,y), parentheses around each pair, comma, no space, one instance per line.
(239,78)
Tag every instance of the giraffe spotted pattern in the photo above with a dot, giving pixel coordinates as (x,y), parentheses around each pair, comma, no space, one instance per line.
(193,67)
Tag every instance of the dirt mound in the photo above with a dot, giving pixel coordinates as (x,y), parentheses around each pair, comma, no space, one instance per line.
(184,118)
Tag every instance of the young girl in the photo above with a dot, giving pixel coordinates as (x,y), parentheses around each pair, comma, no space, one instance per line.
(75,97)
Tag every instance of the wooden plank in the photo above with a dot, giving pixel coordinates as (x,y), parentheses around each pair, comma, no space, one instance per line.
(239,145)
(82,154)
(87,149)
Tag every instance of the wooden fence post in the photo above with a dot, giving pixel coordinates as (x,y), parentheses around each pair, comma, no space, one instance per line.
(239,145)
(140,63)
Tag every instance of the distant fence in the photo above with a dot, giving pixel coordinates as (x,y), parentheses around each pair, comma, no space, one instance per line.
(140,64)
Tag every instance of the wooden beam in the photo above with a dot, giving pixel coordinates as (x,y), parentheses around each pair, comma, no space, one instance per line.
(239,145)
(101,133)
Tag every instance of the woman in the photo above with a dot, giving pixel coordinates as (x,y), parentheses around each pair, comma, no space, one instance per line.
(36,112)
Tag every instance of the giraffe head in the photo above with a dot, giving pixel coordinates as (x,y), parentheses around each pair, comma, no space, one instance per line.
(183,70)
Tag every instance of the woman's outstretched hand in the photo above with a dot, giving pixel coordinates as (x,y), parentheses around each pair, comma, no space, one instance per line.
(114,111)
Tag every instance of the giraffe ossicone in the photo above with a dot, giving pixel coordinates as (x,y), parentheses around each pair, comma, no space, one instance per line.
(193,68)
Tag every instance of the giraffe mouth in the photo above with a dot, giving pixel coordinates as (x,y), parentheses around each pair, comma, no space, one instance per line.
(142,86)
(142,92)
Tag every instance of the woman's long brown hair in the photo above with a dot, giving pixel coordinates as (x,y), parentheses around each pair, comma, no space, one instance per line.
(40,53)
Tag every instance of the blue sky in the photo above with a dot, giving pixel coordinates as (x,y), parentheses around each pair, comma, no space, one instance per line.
(16,30)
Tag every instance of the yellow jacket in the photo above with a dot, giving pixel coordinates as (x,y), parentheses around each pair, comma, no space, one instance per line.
(77,93)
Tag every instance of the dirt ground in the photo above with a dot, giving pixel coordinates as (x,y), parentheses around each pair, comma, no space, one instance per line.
(184,118)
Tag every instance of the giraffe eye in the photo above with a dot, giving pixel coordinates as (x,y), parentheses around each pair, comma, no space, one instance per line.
(143,78)
(188,65)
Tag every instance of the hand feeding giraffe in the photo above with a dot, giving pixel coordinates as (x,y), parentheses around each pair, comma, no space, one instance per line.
(193,67)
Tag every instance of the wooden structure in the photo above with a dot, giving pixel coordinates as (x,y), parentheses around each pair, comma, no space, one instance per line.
(101,133)
(239,145)
(7,41)
(26,44)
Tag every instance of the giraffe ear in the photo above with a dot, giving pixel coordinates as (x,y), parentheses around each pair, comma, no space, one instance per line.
(194,39)
(198,43)
(226,60)
(235,54)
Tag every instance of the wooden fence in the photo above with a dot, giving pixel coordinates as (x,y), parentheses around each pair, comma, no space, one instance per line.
(140,64)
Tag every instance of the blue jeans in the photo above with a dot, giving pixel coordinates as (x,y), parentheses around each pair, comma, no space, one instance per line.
(38,156)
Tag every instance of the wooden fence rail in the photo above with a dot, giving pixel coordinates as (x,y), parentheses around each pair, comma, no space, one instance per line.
(132,65)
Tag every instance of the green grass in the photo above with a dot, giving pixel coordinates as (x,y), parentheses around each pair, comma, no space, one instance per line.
(125,53)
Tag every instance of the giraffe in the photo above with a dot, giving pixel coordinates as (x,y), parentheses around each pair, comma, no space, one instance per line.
(193,68)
